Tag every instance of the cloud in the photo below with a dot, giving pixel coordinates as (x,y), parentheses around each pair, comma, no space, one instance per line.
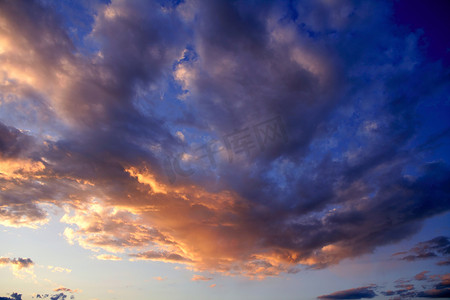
(440,290)
(160,256)
(64,289)
(201,278)
(88,130)
(421,275)
(434,248)
(356,293)
(159,278)
(13,296)
(20,267)
(431,286)
(19,263)
(108,257)
(59,269)
(59,296)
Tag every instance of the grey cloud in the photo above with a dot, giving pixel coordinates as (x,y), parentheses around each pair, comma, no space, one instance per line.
(161,255)
(434,248)
(356,293)
(13,296)
(19,262)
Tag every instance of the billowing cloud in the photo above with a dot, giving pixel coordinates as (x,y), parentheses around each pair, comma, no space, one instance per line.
(356,293)
(100,130)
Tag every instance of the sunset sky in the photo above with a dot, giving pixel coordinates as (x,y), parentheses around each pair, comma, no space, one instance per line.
(212,149)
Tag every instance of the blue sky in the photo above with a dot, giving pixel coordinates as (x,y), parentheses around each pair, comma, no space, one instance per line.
(224,150)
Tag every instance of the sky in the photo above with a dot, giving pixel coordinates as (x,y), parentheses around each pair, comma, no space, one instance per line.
(220,149)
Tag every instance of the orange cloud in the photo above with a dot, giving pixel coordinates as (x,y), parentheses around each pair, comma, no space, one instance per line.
(200,278)
(108,257)
(21,267)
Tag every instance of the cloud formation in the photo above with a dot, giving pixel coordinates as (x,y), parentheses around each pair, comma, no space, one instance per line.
(96,125)
(13,296)
(356,293)
(197,277)
(19,263)
(438,247)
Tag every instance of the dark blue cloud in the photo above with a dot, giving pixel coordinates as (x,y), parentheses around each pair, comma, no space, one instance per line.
(13,296)
(363,166)
(435,248)
(356,293)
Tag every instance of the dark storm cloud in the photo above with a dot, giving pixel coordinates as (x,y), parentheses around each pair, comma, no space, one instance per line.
(224,84)
(346,85)
(356,293)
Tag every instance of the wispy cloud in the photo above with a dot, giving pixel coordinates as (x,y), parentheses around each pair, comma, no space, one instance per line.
(201,278)
(438,247)
(108,257)
(356,293)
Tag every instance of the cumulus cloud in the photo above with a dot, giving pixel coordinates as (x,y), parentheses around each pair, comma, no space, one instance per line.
(101,122)
(20,267)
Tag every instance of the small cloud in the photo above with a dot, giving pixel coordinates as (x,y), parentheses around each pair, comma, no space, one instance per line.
(444,263)
(160,256)
(108,257)
(64,289)
(356,293)
(180,135)
(13,296)
(437,247)
(200,278)
(159,278)
(421,276)
(19,263)
(20,266)
(212,285)
(59,269)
